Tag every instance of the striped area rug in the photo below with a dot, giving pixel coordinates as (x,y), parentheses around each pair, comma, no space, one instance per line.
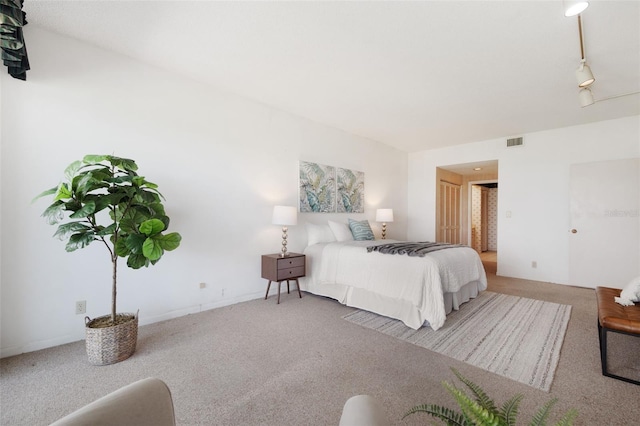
(512,336)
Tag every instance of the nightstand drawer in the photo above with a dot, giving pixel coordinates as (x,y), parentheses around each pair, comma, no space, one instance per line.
(290,273)
(291,262)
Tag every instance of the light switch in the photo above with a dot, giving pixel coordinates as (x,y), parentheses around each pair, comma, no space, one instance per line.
(508,213)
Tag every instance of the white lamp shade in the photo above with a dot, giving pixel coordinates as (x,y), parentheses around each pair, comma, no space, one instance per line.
(384,215)
(584,75)
(285,215)
(586,97)
(573,8)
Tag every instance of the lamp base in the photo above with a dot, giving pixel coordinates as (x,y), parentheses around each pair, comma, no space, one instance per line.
(384,231)
(283,250)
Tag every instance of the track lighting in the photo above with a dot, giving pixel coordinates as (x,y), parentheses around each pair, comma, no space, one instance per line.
(584,75)
(586,97)
(573,8)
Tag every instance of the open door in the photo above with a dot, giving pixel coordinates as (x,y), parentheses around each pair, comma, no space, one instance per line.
(605,223)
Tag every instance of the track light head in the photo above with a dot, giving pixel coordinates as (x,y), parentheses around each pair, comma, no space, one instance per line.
(586,97)
(573,8)
(584,75)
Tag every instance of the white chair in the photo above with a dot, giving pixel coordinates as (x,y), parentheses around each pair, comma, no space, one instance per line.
(363,410)
(142,403)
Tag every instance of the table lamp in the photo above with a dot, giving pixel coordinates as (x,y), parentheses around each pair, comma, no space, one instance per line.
(384,216)
(285,216)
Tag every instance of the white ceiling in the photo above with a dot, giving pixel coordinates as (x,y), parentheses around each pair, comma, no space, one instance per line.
(414,75)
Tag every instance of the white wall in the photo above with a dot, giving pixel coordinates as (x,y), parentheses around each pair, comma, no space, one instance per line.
(221,161)
(533,186)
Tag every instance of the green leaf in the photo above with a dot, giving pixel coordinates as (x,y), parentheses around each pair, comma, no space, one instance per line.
(509,411)
(137,261)
(151,227)
(147,197)
(472,409)
(64,193)
(78,241)
(134,243)
(540,418)
(445,414)
(123,163)
(151,249)
(50,191)
(169,242)
(72,169)
(94,159)
(121,248)
(568,418)
(480,395)
(109,230)
(70,228)
(54,213)
(87,209)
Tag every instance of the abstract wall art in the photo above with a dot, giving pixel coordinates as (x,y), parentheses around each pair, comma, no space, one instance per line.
(317,188)
(350,191)
(327,189)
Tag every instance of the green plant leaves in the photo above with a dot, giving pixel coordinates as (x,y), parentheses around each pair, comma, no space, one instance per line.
(49,191)
(54,213)
(84,210)
(445,414)
(151,227)
(151,249)
(69,228)
(72,169)
(540,418)
(483,412)
(509,411)
(107,201)
(170,241)
(78,241)
(63,193)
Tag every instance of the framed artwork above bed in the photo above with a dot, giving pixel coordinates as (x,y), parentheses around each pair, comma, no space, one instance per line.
(327,189)
(350,191)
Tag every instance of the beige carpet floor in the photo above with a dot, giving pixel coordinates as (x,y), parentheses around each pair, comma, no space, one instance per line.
(258,363)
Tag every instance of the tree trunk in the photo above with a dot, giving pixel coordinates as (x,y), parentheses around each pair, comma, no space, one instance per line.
(114,261)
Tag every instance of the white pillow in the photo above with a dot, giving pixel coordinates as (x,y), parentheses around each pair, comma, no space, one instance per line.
(341,231)
(319,234)
(630,294)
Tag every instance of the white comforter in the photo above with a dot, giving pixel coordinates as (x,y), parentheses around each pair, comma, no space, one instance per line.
(399,286)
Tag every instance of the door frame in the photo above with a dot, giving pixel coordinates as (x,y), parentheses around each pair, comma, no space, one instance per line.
(470,203)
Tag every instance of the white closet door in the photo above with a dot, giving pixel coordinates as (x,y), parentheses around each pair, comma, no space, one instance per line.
(449,225)
(605,223)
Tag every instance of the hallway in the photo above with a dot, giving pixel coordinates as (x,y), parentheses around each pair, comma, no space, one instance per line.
(490,261)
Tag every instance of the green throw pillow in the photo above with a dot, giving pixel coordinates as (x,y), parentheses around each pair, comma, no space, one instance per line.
(361,230)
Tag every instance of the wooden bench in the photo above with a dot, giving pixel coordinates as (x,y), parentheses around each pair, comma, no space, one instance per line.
(617,318)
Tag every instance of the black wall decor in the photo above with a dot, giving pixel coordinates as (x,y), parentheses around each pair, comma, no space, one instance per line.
(14,51)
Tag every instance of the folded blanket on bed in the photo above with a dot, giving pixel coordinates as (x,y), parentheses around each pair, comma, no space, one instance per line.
(419,249)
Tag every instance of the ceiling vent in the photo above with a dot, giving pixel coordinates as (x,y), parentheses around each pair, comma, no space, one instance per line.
(514,142)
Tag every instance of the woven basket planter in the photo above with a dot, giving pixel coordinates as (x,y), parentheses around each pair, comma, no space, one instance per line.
(109,345)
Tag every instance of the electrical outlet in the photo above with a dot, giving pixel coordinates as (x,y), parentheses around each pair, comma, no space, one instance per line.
(534,264)
(81,307)
(223,292)
(203,285)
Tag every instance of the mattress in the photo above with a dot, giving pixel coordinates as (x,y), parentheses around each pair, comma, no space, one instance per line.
(415,290)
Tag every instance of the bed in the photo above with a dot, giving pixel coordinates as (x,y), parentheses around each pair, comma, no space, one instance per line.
(416,290)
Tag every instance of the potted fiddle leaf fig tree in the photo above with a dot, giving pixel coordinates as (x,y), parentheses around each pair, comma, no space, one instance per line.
(104,200)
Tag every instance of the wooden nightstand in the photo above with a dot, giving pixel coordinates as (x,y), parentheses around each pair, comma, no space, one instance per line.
(277,268)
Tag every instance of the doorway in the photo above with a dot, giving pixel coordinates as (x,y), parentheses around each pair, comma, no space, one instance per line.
(483,222)
(457,215)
